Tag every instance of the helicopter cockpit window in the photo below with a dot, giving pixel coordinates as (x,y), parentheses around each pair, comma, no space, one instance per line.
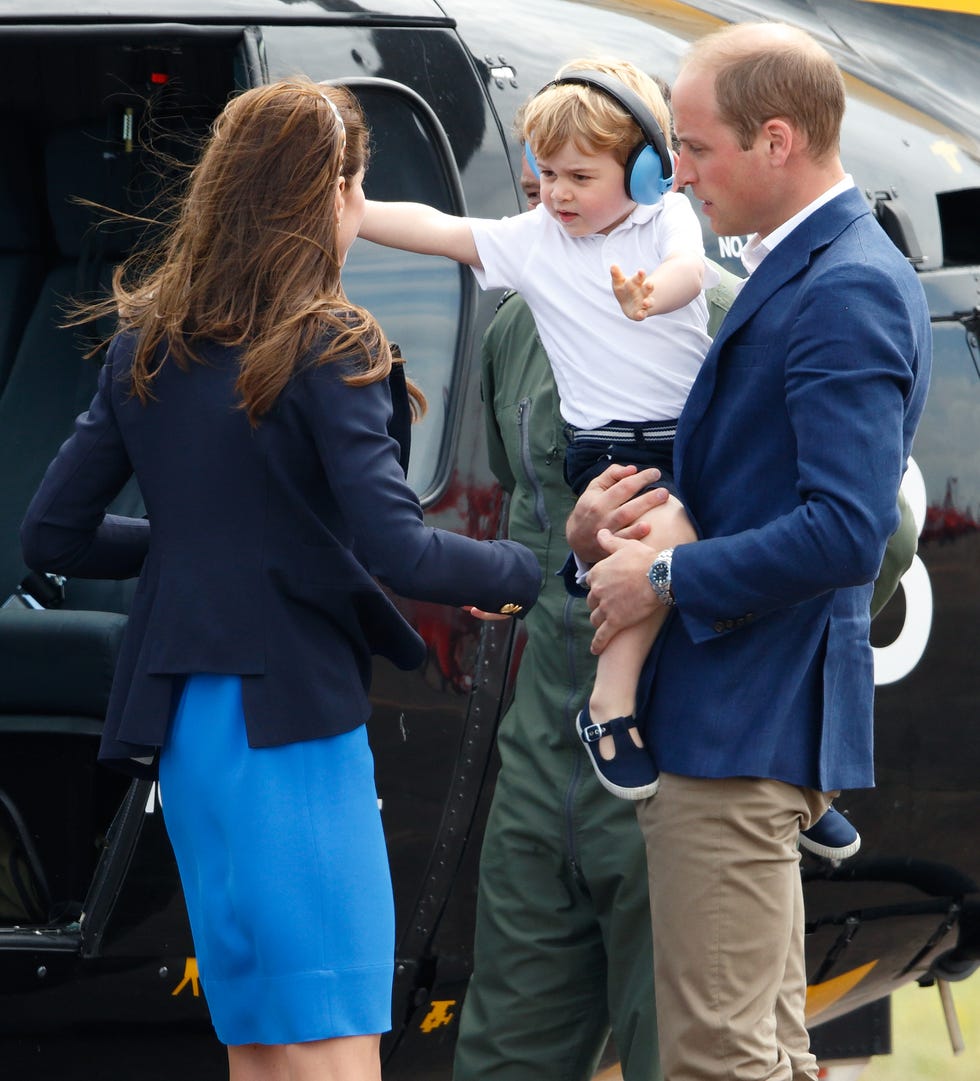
(416,298)
(959,216)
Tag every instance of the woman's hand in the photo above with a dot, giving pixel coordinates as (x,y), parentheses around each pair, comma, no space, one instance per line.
(489,617)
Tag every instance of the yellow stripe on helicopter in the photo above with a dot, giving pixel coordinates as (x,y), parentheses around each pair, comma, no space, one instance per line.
(820,996)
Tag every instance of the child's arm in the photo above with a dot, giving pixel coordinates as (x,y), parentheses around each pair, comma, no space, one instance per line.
(419,228)
(676,282)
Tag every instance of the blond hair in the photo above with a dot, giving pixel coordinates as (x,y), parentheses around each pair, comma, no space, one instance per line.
(587,117)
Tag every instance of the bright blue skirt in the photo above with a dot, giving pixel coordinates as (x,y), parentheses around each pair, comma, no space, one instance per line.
(284,868)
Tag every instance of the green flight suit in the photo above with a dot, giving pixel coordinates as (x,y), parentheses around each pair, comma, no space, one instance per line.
(563,941)
(562,953)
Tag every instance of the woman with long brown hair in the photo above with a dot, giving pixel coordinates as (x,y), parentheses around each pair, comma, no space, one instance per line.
(261,413)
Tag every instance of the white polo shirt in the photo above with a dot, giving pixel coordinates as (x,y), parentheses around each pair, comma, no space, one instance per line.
(607,366)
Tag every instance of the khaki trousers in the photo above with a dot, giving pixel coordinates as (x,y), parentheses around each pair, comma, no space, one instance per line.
(726,903)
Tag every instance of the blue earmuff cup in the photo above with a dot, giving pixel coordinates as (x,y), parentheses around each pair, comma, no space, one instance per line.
(645,180)
(529,155)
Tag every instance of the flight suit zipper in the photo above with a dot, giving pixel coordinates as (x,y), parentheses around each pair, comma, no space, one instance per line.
(569,714)
(527,463)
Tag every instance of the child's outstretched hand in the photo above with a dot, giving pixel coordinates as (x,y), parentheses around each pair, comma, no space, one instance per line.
(635,294)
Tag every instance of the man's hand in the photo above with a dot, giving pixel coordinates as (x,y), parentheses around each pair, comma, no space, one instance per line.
(620,595)
(635,294)
(608,503)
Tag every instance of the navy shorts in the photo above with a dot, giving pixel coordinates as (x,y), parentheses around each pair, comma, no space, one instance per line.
(589,454)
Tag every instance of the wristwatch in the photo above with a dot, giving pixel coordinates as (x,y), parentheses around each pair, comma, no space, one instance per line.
(659,576)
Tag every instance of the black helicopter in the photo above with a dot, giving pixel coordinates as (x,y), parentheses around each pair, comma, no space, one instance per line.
(97,974)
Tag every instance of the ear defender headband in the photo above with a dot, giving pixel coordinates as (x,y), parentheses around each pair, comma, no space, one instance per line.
(650,166)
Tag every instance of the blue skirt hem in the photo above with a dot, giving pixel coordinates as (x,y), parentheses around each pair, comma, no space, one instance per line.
(301,1007)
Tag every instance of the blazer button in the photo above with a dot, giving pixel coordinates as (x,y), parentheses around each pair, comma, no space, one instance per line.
(729,623)
(719,626)
(511,609)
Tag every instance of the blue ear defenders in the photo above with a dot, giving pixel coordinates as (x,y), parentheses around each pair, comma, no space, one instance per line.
(650,167)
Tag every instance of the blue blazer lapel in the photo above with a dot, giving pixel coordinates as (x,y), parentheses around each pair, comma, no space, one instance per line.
(792,256)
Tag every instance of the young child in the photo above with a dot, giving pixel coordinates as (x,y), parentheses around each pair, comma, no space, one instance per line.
(596,138)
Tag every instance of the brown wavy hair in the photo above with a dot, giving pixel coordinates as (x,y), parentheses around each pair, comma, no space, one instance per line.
(251,257)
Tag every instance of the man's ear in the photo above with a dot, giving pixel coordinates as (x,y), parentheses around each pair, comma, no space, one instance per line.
(779,136)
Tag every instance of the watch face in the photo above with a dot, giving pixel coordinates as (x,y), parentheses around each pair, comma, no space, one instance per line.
(659,575)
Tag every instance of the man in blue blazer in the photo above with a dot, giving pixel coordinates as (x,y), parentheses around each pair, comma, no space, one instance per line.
(789,455)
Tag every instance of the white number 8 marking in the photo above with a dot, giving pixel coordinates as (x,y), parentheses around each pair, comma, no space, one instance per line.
(894,661)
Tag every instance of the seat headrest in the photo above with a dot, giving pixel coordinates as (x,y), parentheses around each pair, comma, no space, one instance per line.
(84,162)
(20,216)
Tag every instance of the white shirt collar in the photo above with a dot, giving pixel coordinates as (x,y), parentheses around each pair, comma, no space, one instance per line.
(758,247)
(639,215)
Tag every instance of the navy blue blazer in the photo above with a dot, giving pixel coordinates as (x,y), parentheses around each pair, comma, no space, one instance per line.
(261,547)
(789,455)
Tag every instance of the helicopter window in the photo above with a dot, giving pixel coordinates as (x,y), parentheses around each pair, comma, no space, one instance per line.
(959,218)
(948,432)
(417,299)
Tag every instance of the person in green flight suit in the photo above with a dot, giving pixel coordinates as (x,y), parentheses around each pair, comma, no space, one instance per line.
(563,953)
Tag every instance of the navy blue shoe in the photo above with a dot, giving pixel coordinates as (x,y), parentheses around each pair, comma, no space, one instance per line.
(832,836)
(631,772)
